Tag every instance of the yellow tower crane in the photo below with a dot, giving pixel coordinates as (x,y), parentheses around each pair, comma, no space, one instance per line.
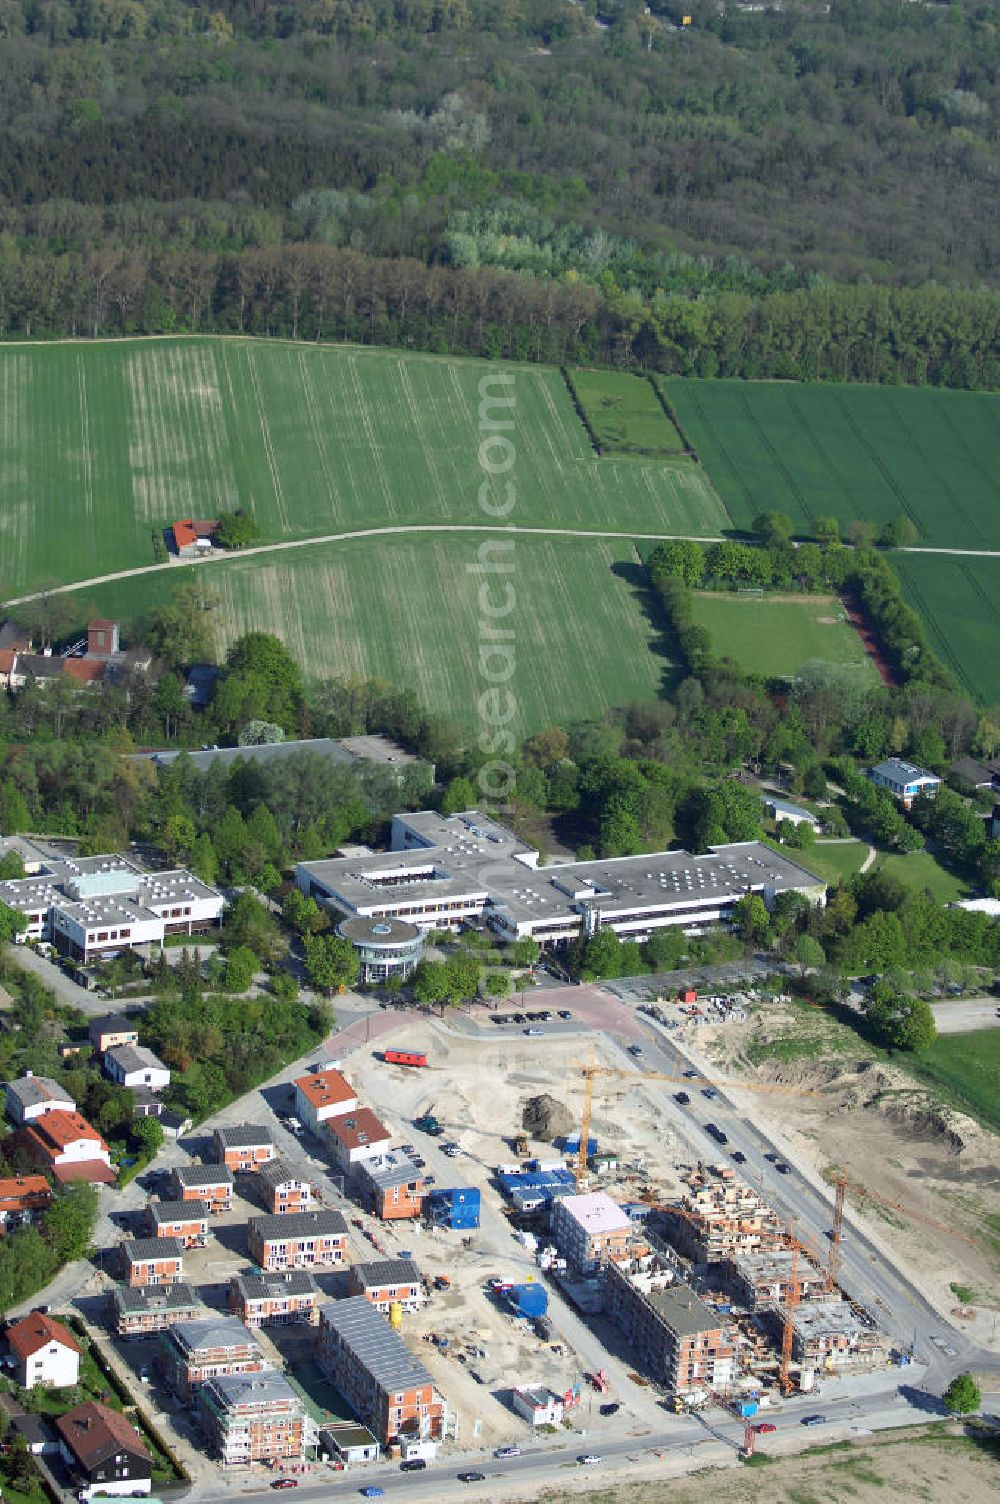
(590,1070)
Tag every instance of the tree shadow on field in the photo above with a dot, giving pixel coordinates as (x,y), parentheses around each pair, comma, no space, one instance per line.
(664,644)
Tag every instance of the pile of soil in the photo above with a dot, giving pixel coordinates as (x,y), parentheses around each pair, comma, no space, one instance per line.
(545,1119)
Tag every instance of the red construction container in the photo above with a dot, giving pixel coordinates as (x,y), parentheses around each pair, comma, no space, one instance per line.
(405,1057)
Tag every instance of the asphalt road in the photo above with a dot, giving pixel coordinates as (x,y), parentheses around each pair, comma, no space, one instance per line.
(866,1273)
(677,1438)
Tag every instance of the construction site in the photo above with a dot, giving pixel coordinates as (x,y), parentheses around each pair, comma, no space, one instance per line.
(694,1288)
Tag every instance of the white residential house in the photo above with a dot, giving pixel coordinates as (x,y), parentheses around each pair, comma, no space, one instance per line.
(135,1065)
(44,1352)
(33,1096)
(538,1406)
(783,811)
(903,780)
(322,1095)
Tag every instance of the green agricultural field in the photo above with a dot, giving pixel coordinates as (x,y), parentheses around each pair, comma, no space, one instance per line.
(625,414)
(959,602)
(776,635)
(101,444)
(406,609)
(849,452)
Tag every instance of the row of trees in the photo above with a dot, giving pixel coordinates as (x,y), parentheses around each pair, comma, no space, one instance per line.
(314,292)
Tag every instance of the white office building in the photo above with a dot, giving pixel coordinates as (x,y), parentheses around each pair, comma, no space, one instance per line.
(90,906)
(446,870)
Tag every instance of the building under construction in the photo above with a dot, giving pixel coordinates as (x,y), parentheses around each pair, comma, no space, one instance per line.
(684,1344)
(759,1281)
(835,1334)
(719,1217)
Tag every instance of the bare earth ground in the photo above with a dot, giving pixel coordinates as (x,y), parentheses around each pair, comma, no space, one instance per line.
(932,1464)
(870,1120)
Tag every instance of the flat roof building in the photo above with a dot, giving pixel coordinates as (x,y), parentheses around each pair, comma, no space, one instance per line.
(446,870)
(390,1185)
(90,905)
(321,1095)
(762,1280)
(685,1345)
(358,1135)
(833,1334)
(718,1219)
(590,1230)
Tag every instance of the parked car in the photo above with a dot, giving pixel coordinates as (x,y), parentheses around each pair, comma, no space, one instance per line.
(772,1158)
(472,1477)
(285,1483)
(511,1451)
(739,1156)
(714,1131)
(690,1075)
(612,1408)
(813,1420)
(413,1465)
(565,1013)
(590,1459)
(635,1049)
(533,1033)
(765,1428)
(709,1092)
(782,1168)
(682,1097)
(373,1492)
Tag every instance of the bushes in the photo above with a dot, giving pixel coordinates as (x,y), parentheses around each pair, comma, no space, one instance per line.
(898,628)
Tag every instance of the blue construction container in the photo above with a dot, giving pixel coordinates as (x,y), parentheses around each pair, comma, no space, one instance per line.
(748,1408)
(571,1145)
(530,1301)
(457,1208)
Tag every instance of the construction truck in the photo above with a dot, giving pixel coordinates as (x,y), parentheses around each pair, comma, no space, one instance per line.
(521,1144)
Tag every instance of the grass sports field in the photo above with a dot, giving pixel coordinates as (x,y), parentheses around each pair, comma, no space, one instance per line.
(625,413)
(959,602)
(777,635)
(100,444)
(850,452)
(405,609)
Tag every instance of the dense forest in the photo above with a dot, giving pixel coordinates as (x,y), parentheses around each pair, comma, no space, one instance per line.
(803,190)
